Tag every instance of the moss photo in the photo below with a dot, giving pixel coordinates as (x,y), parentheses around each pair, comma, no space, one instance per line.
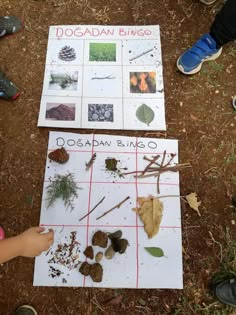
(102,52)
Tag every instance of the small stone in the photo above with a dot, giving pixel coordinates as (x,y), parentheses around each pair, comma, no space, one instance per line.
(217,91)
(100,239)
(233,222)
(96,272)
(110,253)
(119,245)
(142,302)
(85,268)
(98,257)
(115,235)
(89,252)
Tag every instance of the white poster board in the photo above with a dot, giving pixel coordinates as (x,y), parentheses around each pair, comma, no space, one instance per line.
(103,77)
(136,268)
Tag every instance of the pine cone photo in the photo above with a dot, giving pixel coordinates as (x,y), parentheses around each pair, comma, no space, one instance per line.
(67,53)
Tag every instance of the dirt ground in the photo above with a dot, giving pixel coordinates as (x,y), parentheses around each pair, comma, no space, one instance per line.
(198,113)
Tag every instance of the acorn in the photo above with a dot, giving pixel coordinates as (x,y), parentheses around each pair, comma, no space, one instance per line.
(110,253)
(59,156)
(98,257)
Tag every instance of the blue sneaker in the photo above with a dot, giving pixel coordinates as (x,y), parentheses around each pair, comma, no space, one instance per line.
(190,62)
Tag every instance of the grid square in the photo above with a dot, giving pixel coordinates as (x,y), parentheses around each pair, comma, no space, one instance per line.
(102,81)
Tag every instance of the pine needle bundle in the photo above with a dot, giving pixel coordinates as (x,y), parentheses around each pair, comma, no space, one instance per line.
(62,187)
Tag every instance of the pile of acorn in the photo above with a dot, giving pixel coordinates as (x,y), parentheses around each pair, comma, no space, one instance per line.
(117,245)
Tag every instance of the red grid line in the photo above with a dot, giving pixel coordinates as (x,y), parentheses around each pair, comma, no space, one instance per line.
(106,226)
(136,188)
(121,152)
(89,202)
(123,183)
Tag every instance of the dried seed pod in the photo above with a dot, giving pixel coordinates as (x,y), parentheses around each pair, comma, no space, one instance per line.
(96,272)
(89,252)
(115,235)
(110,253)
(98,257)
(119,245)
(85,268)
(59,156)
(100,239)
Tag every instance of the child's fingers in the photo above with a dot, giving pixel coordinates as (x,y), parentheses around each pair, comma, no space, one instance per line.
(49,236)
(39,229)
(50,242)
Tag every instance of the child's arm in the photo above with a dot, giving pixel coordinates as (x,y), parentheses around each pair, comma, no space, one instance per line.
(30,243)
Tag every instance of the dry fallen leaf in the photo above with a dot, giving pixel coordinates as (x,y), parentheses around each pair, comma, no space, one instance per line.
(150,213)
(192,201)
(115,300)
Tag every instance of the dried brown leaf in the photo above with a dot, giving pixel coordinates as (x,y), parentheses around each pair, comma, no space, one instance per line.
(115,300)
(193,202)
(150,213)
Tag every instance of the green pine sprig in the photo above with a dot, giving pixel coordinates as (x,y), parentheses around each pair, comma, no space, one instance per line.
(62,187)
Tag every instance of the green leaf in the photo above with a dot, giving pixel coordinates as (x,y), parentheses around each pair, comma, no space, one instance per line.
(155,251)
(145,114)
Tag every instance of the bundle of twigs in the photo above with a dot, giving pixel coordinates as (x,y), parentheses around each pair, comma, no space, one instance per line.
(155,169)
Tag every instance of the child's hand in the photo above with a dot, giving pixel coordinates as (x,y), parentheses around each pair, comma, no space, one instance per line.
(32,242)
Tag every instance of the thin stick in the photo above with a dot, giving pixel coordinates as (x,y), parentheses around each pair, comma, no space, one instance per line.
(147,159)
(117,206)
(166,169)
(92,209)
(151,162)
(158,176)
(170,160)
(90,162)
(142,54)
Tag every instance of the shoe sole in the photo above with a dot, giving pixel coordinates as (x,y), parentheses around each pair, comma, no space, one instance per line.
(15,96)
(27,307)
(208,2)
(234,102)
(198,68)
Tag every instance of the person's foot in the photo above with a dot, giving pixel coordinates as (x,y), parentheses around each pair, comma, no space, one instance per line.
(207,2)
(225,291)
(8,90)
(25,310)
(9,25)
(205,49)
(2,233)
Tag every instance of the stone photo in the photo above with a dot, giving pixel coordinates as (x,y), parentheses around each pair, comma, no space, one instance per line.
(100,112)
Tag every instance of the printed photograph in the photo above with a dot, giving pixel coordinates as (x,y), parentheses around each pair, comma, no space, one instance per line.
(102,52)
(67,53)
(63,81)
(100,112)
(60,111)
(142,82)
